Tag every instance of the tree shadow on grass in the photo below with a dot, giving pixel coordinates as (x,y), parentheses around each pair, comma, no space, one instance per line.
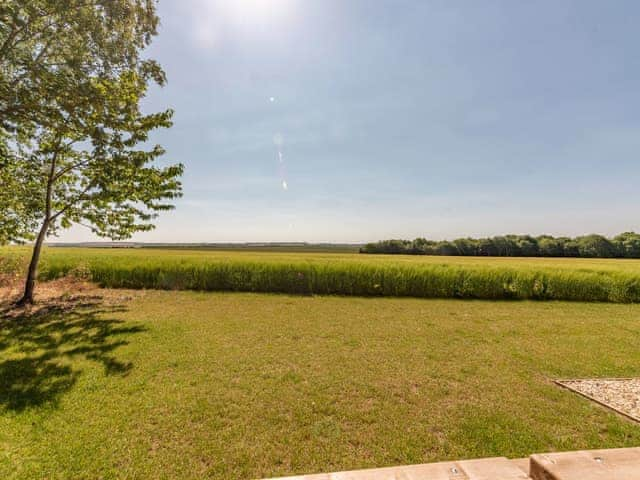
(39,350)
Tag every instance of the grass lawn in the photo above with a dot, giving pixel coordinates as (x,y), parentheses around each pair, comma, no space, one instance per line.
(235,385)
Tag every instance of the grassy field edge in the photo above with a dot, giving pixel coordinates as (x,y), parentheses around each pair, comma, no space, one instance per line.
(335,275)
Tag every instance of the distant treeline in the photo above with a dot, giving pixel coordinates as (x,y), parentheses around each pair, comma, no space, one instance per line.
(625,245)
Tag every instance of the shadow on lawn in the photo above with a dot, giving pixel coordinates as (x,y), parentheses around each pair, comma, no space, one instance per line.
(37,349)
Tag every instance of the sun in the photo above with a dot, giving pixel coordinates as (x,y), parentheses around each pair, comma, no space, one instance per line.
(217,19)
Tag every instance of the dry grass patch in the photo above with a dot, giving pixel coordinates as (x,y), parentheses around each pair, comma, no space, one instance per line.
(63,294)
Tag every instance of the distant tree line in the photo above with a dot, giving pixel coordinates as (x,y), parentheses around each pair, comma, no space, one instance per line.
(625,245)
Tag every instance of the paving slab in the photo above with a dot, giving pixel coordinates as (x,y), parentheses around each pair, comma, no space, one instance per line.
(521,463)
(492,469)
(612,464)
(499,468)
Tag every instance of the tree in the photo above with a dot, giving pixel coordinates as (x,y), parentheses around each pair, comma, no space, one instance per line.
(550,247)
(506,246)
(466,246)
(487,248)
(629,244)
(624,245)
(527,246)
(17,219)
(596,246)
(97,176)
(49,48)
(48,51)
(73,132)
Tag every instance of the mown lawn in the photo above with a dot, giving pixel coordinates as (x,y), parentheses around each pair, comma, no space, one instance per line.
(237,385)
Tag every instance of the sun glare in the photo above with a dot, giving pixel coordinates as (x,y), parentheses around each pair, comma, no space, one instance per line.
(250,17)
(248,12)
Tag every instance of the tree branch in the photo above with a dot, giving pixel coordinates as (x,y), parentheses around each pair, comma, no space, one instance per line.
(72,202)
(51,181)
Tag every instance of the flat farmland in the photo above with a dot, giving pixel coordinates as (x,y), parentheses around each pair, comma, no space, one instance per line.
(77,254)
(602,280)
(151,380)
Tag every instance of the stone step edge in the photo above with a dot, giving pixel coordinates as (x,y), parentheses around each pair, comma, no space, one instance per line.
(497,468)
(607,464)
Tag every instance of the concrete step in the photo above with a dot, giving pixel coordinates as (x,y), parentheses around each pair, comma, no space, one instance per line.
(521,463)
(612,464)
(499,468)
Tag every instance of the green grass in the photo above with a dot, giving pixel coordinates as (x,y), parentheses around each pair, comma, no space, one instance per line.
(345,274)
(238,385)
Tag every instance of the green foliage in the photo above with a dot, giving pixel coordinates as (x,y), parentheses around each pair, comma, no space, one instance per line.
(625,245)
(628,244)
(70,89)
(51,49)
(18,218)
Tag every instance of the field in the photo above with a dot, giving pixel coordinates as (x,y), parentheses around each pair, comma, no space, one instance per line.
(146,383)
(602,280)
(159,384)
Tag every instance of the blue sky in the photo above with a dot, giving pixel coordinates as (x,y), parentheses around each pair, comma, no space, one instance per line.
(398,118)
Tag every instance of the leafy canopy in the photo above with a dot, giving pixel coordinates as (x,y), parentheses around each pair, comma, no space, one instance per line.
(72,134)
(50,48)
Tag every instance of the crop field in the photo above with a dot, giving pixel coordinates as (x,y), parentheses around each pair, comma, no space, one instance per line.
(601,280)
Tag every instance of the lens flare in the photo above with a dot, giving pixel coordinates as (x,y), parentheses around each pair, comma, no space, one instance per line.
(278,141)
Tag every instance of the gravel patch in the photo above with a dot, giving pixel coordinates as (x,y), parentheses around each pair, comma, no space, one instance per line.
(619,394)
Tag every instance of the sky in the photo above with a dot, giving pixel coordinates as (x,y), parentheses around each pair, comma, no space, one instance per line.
(358,120)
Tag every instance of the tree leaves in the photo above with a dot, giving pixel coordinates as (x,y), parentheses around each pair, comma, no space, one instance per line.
(50,49)
(72,135)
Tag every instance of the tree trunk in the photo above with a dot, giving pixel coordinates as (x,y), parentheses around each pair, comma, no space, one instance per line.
(29,286)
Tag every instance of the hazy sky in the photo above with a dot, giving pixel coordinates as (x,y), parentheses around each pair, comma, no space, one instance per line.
(356,120)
